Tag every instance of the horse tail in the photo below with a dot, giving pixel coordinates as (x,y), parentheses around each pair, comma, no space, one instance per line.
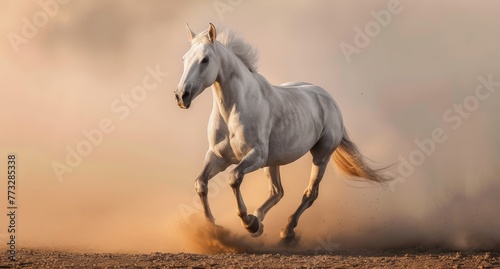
(349,160)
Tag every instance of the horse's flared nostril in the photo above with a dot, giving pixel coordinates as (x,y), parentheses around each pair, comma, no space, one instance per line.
(185,96)
(176,97)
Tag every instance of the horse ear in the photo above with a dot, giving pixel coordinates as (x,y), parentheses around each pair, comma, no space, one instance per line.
(211,33)
(190,33)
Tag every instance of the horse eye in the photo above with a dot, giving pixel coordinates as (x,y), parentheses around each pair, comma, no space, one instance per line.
(204,60)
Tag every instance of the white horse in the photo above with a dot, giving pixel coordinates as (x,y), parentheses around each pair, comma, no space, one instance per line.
(257,125)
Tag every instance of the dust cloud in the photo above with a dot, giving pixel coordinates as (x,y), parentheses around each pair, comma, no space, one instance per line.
(133,189)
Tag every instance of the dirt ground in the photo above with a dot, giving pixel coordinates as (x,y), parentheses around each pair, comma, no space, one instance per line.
(410,258)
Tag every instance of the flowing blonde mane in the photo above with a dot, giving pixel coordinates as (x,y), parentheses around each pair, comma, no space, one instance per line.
(235,43)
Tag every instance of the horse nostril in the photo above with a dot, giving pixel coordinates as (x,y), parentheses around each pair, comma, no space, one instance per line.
(176,97)
(185,96)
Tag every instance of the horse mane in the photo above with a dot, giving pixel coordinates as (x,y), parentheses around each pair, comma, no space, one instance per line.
(235,43)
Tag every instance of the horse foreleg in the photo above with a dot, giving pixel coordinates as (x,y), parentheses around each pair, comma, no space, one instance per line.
(310,194)
(251,162)
(212,166)
(275,192)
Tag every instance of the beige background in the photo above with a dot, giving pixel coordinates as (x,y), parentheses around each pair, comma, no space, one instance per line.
(127,195)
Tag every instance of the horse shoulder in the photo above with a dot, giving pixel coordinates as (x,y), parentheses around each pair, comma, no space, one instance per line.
(217,130)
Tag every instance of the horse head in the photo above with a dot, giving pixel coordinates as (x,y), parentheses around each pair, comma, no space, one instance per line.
(201,66)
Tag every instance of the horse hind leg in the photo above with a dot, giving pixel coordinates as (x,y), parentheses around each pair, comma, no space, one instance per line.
(321,157)
(275,195)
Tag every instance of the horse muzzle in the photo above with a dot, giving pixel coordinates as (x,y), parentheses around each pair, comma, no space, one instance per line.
(183,99)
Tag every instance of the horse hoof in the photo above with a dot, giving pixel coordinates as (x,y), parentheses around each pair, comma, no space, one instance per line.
(287,236)
(253,225)
(259,232)
(288,240)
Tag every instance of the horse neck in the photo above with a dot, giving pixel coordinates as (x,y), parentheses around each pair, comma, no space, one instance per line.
(231,84)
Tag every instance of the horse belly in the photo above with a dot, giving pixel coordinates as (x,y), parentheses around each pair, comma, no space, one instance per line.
(303,115)
(297,127)
(287,148)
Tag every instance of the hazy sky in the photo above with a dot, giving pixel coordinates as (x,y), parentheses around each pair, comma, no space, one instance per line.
(403,73)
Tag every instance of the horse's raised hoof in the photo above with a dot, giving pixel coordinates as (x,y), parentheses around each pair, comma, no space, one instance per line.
(253,225)
(259,232)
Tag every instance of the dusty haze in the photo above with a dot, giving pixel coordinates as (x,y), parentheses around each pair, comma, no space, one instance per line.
(134,191)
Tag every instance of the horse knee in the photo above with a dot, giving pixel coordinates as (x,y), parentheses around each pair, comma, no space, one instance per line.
(201,187)
(277,196)
(281,193)
(235,179)
(310,195)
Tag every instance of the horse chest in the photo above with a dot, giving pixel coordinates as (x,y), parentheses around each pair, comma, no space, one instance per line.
(231,142)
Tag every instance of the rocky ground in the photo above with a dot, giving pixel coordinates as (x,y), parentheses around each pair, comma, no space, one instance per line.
(410,258)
